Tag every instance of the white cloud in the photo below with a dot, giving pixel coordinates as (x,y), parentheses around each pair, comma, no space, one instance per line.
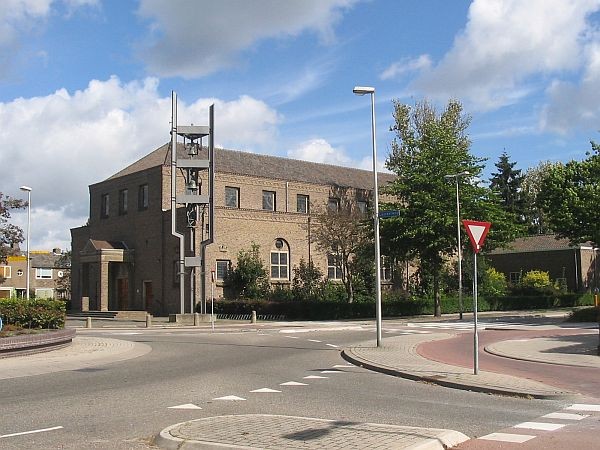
(195,38)
(507,44)
(61,143)
(406,65)
(321,151)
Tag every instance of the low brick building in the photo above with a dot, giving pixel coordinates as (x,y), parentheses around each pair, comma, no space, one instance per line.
(125,258)
(575,265)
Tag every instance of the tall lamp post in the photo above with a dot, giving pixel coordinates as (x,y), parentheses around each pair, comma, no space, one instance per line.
(28,190)
(456,176)
(362,90)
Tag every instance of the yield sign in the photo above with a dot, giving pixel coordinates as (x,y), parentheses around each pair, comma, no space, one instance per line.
(477,232)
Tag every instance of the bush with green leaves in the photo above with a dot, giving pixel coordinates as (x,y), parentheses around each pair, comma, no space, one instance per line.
(33,313)
(306,281)
(493,283)
(536,279)
(249,278)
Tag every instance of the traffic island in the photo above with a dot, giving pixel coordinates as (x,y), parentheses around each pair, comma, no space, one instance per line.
(28,344)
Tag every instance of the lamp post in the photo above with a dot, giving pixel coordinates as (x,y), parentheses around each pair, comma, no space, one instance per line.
(456,176)
(28,190)
(362,90)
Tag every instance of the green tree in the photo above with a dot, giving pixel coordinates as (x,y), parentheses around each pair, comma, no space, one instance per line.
(9,234)
(249,278)
(570,196)
(506,182)
(428,146)
(535,217)
(307,278)
(341,233)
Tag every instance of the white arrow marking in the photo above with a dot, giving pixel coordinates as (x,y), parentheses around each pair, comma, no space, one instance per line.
(185,406)
(265,390)
(231,398)
(293,383)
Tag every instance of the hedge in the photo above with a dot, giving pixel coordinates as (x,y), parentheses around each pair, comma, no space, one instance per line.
(33,313)
(392,306)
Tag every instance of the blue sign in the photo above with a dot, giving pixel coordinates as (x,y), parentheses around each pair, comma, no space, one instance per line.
(389,214)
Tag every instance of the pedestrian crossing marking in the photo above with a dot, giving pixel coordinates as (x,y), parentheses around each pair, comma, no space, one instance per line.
(565,416)
(584,407)
(507,437)
(543,426)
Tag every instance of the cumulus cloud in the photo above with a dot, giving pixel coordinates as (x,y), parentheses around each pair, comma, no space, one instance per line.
(195,38)
(406,65)
(507,43)
(61,143)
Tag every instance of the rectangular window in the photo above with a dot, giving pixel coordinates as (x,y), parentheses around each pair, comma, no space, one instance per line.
(333,204)
(222,268)
(44,293)
(302,203)
(104,206)
(334,271)
(43,273)
(268,200)
(123,194)
(362,206)
(515,277)
(232,197)
(143,197)
(279,266)
(5,272)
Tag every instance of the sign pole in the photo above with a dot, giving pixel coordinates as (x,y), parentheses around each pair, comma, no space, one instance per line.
(475,336)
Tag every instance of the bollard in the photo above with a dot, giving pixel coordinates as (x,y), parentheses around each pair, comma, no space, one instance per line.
(88,322)
(253,320)
(148,320)
(196,319)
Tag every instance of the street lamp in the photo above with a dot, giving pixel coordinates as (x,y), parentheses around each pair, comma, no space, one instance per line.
(28,190)
(362,90)
(456,176)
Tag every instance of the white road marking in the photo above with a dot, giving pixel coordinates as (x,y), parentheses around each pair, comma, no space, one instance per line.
(314,340)
(129,333)
(292,383)
(185,406)
(265,390)
(41,430)
(292,337)
(313,377)
(332,371)
(540,426)
(506,437)
(229,398)
(343,365)
(332,345)
(565,416)
(583,407)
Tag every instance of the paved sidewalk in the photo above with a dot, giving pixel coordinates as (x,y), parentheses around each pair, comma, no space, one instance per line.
(265,431)
(399,357)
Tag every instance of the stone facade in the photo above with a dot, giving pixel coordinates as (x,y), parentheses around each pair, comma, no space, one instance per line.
(126,258)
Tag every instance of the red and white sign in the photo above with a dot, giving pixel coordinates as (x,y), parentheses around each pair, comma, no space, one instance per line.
(477,232)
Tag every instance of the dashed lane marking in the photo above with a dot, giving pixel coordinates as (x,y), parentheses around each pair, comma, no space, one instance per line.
(185,406)
(584,407)
(542,426)
(293,383)
(507,437)
(265,391)
(22,433)
(314,340)
(565,416)
(332,371)
(313,377)
(332,345)
(230,398)
(343,366)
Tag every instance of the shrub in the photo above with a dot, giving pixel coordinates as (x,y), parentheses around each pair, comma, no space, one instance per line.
(493,283)
(307,278)
(35,313)
(585,315)
(536,279)
(249,278)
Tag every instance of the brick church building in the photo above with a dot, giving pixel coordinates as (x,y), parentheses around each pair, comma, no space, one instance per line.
(125,258)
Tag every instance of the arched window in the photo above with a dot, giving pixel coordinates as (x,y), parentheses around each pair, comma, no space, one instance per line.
(280,260)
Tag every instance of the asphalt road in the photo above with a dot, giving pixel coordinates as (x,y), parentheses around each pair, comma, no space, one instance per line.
(125,404)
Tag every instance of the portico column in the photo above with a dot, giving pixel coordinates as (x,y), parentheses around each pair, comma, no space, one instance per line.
(103,294)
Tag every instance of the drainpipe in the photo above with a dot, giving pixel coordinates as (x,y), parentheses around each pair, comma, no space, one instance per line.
(173,200)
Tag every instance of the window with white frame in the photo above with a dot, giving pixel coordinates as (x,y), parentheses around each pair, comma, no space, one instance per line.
(232,197)
(5,272)
(334,270)
(302,202)
(280,261)
(268,200)
(43,273)
(222,268)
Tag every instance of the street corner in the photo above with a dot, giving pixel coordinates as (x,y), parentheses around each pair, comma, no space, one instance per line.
(265,431)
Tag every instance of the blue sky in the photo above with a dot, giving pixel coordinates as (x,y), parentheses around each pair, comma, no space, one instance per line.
(85,84)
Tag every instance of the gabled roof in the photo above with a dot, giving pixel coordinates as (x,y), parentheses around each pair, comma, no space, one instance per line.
(274,167)
(536,243)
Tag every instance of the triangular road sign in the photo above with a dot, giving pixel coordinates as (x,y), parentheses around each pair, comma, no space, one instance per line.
(477,232)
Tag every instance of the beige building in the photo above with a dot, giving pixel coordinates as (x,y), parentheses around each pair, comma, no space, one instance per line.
(48,277)
(127,259)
